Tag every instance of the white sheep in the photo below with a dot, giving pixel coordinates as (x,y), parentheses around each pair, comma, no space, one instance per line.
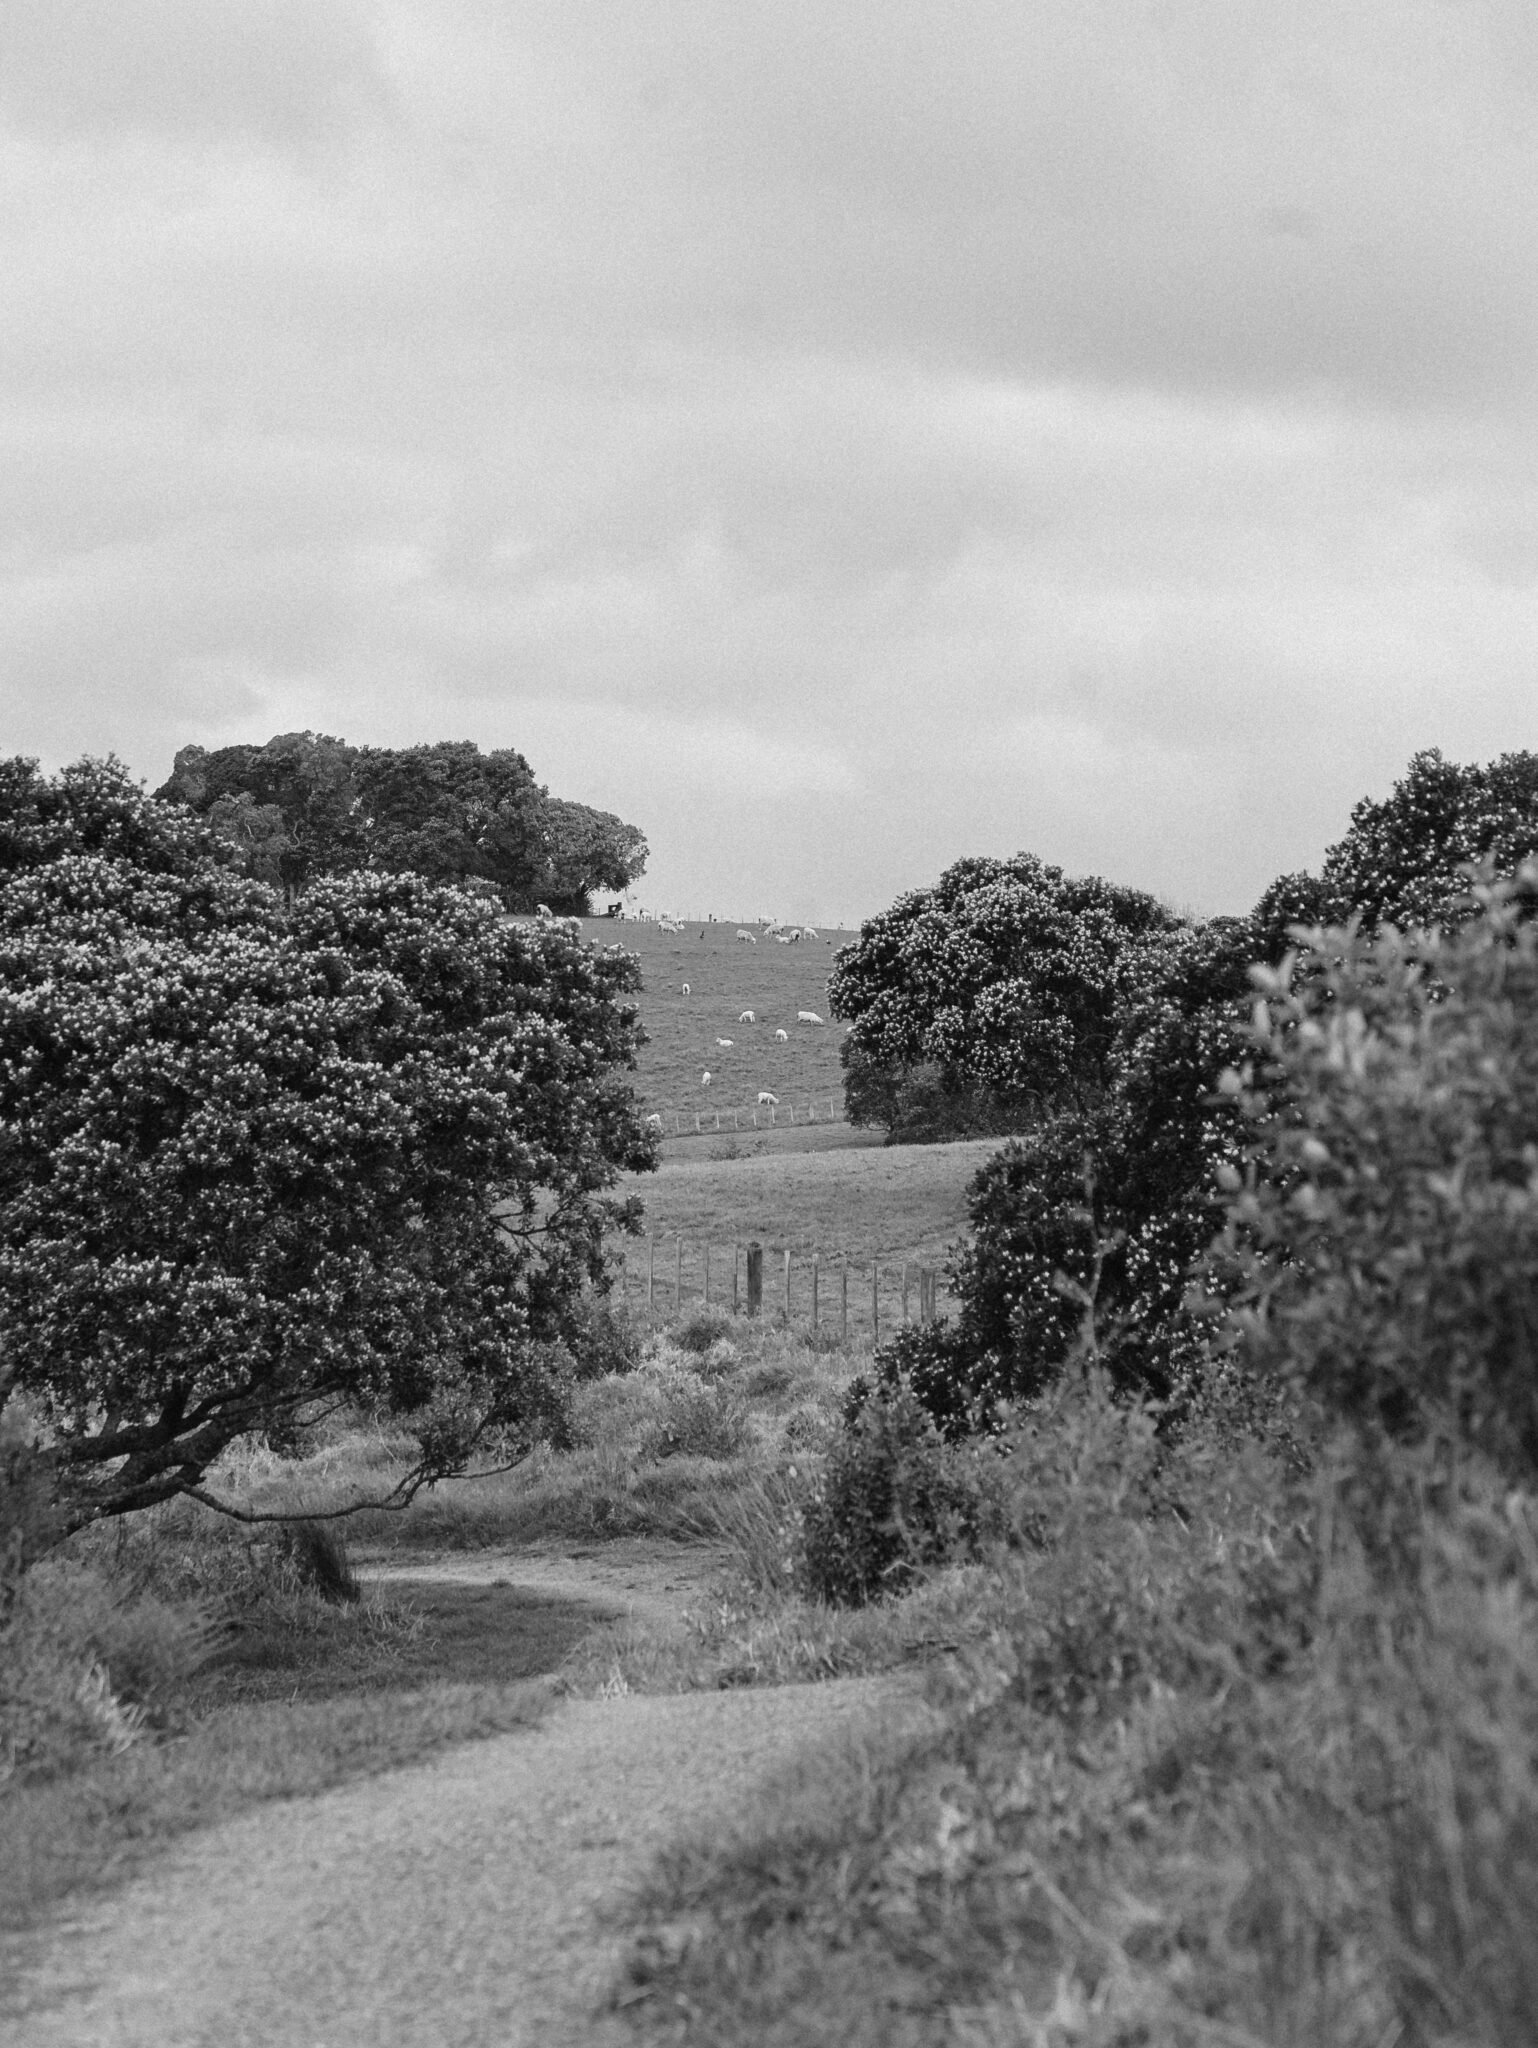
(766,1100)
(706,1078)
(726,1041)
(654,1123)
(807,1017)
(748,936)
(747,1017)
(783,1037)
(686,988)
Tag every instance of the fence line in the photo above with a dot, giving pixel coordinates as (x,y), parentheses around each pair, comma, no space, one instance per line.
(814,1287)
(676,1123)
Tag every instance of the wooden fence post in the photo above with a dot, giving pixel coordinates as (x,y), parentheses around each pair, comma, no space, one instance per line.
(905,1293)
(678,1276)
(755,1278)
(706,1256)
(736,1297)
(787,1289)
(875,1303)
(651,1273)
(814,1294)
(843,1300)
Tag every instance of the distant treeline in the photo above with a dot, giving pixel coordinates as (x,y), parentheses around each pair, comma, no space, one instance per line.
(306,805)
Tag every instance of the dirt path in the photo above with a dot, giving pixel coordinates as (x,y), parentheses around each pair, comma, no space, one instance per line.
(456,1904)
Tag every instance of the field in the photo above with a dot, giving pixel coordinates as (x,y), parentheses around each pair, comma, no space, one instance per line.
(885,1201)
(726,977)
(879,1213)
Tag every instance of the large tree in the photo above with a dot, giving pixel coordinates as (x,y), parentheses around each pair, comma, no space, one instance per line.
(995,996)
(257,1154)
(306,805)
(587,850)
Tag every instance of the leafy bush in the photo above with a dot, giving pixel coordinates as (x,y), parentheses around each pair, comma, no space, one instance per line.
(892,1500)
(1385,1249)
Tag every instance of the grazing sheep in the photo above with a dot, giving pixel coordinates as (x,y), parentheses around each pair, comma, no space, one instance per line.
(807,932)
(542,910)
(747,1017)
(766,1100)
(783,1036)
(748,936)
(686,988)
(807,1017)
(706,1078)
(726,1041)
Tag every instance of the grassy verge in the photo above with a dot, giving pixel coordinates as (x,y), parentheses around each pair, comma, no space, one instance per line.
(1207,1770)
(92,1825)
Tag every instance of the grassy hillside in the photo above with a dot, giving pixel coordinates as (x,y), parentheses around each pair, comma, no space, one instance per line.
(726,977)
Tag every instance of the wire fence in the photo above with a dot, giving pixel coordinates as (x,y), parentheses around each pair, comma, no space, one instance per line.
(813,1290)
(763,1116)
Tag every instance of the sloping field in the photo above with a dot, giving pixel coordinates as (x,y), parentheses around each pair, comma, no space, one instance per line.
(726,977)
(887,1201)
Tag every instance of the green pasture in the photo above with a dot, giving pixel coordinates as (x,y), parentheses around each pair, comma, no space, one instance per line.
(860,1203)
(726,977)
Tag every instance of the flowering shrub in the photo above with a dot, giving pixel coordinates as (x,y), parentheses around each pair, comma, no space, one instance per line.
(252,1157)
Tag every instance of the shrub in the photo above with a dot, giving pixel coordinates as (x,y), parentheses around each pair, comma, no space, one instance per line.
(603,1337)
(1386,1253)
(893,1500)
(697,1421)
(700,1329)
(317,1552)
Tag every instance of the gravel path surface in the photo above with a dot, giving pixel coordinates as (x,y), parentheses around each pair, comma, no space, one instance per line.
(454,1904)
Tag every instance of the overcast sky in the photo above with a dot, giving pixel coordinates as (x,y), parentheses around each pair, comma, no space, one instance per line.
(837,437)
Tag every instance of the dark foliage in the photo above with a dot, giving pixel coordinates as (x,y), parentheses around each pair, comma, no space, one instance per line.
(255,1154)
(893,1499)
(306,806)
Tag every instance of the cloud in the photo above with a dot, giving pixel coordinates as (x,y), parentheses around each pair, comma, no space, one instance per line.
(273,72)
(839,440)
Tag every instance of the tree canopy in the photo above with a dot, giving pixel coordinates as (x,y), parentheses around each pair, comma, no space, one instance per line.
(1404,860)
(1006,985)
(256,1154)
(306,805)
